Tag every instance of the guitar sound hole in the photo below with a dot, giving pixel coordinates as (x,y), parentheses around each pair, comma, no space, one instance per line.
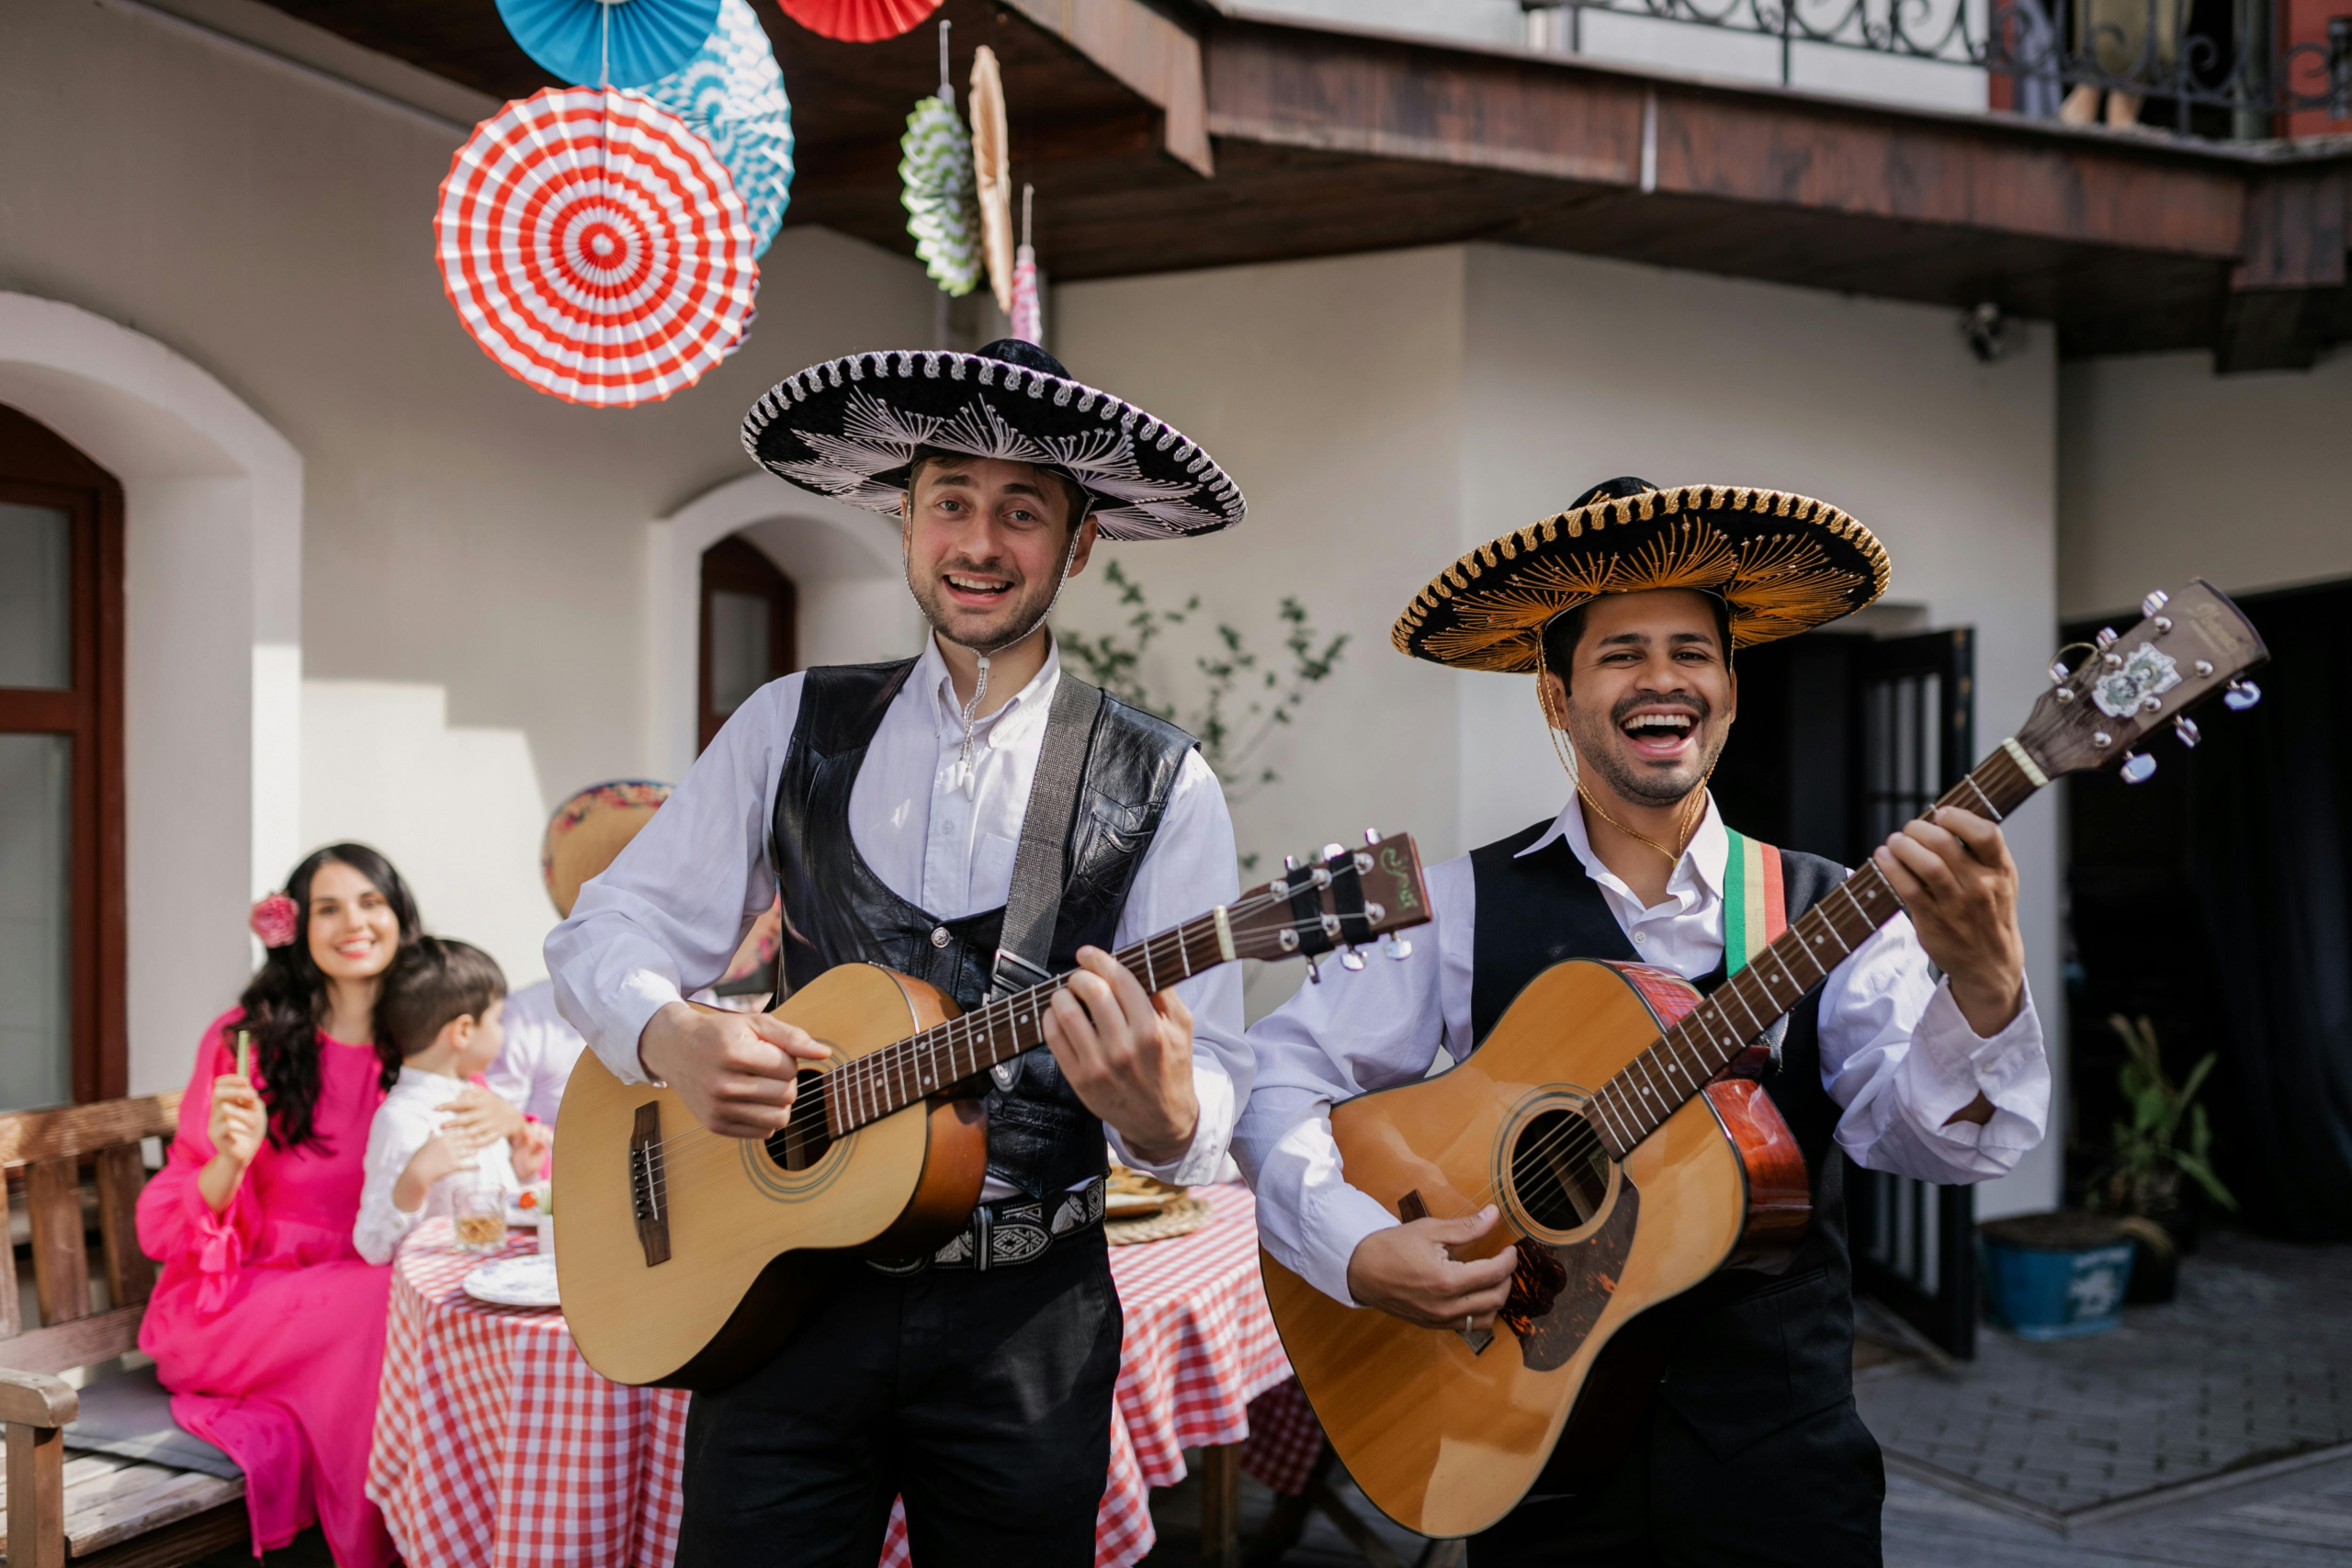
(802,1141)
(1559,1170)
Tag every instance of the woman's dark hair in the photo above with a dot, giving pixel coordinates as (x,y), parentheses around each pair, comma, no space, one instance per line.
(287,1000)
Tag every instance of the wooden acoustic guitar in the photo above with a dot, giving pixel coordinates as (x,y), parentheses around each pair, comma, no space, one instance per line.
(688,1257)
(1604,1117)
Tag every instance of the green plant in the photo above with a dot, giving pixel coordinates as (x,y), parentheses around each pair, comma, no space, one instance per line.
(2148,1161)
(1246,698)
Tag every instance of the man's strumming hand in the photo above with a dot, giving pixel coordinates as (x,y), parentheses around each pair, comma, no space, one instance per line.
(734,1070)
(1128,1055)
(1409,1272)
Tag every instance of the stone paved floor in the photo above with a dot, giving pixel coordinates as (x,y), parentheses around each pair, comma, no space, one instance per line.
(2252,1364)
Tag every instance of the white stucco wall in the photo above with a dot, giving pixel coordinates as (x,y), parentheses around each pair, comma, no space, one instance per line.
(471,554)
(1385,413)
(2168,471)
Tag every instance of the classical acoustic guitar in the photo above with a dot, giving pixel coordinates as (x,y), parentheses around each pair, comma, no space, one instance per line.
(1609,1117)
(688,1258)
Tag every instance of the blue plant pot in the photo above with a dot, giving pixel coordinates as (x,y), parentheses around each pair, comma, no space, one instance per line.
(2055,1292)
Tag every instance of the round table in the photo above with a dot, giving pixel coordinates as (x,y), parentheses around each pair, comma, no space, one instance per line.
(496,1445)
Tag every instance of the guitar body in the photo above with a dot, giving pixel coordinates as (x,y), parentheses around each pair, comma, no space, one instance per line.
(738,1242)
(1444,1437)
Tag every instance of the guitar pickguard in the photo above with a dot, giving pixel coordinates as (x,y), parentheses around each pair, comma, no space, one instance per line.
(1558,1293)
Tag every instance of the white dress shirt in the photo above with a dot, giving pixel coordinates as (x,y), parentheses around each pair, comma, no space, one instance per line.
(668,914)
(407,1121)
(1896,1053)
(535,1060)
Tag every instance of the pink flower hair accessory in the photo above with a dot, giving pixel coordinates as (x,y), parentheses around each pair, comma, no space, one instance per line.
(275,920)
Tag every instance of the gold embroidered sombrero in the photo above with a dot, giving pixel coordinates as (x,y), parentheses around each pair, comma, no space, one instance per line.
(1784,563)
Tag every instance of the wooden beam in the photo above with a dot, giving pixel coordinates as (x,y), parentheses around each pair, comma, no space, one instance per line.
(36,1496)
(130,1273)
(1147,52)
(97,1337)
(2297,227)
(61,1258)
(76,1129)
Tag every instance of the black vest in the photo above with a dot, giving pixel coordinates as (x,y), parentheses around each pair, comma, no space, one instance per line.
(836,910)
(1748,1353)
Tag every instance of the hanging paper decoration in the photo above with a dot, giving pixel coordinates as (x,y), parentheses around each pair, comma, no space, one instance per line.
(732,93)
(1028,312)
(992,173)
(595,247)
(610,43)
(943,206)
(860,21)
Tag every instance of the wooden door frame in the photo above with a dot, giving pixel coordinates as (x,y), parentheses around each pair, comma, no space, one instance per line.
(40,468)
(736,565)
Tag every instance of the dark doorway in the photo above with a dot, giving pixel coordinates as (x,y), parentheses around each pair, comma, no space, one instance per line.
(1841,739)
(2215,899)
(747,631)
(62,1037)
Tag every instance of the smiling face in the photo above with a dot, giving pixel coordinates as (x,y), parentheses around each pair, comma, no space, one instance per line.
(984,545)
(1650,697)
(354,931)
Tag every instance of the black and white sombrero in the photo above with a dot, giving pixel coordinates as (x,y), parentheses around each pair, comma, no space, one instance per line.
(848,429)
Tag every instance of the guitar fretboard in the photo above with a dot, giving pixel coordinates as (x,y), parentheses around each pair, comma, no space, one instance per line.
(1656,1084)
(910,1070)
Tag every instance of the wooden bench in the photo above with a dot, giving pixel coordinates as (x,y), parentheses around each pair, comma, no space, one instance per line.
(94,1510)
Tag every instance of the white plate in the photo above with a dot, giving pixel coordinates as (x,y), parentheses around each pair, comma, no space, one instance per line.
(524,1281)
(522,1219)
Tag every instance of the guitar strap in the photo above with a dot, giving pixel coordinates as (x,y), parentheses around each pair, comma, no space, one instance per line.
(1755,911)
(1039,868)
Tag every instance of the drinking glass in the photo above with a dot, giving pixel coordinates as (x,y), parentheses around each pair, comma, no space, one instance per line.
(479,1217)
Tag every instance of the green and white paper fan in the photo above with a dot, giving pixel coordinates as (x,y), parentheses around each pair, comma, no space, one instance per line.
(941,198)
(732,95)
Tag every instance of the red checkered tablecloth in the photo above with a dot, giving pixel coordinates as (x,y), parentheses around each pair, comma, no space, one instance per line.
(497,1446)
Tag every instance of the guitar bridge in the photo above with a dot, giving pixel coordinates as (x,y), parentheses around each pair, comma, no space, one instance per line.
(1412,1207)
(649,1188)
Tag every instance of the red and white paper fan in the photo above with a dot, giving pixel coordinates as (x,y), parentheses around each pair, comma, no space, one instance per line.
(595,247)
(860,21)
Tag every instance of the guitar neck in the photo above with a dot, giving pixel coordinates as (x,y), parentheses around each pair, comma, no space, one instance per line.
(913,1069)
(1710,1036)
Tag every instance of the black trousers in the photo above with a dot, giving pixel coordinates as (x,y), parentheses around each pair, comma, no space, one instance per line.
(984,1398)
(1808,1496)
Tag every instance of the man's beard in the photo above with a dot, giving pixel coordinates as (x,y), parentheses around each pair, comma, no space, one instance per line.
(1019,616)
(1596,741)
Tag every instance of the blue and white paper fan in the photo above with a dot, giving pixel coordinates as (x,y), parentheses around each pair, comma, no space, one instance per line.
(733,95)
(619,43)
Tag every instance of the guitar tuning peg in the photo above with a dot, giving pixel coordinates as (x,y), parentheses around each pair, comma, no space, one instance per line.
(2059,673)
(2138,767)
(1350,960)
(2242,695)
(2157,599)
(2106,637)
(1395,946)
(1334,852)
(1315,969)
(1371,836)
(1290,862)
(2184,729)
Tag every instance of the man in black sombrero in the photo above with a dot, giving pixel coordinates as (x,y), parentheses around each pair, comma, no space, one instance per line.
(1626,609)
(890,802)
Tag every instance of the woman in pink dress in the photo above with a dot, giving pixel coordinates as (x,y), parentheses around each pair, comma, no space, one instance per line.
(266,1325)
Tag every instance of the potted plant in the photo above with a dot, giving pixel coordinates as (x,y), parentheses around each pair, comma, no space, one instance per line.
(2141,1184)
(2055,1276)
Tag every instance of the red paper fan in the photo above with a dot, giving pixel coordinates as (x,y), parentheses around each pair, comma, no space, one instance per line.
(595,247)
(860,21)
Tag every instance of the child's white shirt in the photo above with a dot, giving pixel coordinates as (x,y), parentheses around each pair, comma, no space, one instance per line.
(405,1122)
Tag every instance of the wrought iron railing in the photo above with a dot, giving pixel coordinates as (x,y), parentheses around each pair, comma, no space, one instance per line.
(2047,48)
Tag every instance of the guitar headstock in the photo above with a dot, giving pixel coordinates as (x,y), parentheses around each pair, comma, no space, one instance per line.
(2192,643)
(1340,900)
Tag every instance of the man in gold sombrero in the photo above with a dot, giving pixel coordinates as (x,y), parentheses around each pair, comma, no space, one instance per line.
(1627,609)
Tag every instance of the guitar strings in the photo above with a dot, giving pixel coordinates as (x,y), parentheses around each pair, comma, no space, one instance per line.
(1162,945)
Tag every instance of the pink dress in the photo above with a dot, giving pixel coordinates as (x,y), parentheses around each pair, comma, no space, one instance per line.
(266,1325)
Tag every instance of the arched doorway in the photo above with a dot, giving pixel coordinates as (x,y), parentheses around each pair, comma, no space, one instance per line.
(61,1035)
(747,626)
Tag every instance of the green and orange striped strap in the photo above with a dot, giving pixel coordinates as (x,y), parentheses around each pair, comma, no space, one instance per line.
(1756,902)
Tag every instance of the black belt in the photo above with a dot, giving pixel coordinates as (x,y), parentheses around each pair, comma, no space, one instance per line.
(1010,1232)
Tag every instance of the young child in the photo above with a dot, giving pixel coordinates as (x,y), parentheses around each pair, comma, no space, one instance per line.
(440,1010)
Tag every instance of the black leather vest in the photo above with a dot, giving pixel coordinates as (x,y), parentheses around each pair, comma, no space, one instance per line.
(836,910)
(1749,1353)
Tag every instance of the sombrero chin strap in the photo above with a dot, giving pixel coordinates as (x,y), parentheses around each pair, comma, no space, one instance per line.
(967,776)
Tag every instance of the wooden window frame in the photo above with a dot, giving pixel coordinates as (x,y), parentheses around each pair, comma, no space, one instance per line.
(735,565)
(39,467)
